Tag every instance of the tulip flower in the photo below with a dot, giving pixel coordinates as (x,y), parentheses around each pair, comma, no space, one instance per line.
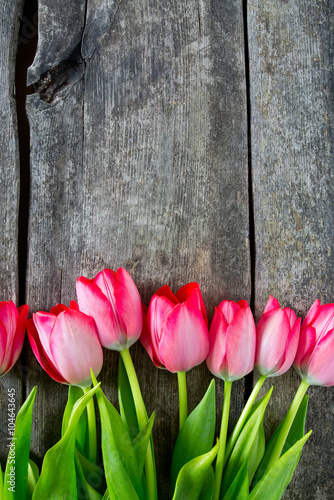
(177,335)
(315,354)
(232,341)
(277,339)
(231,357)
(66,345)
(12,330)
(113,300)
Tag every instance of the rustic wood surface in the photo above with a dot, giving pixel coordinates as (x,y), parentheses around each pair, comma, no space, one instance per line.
(9,185)
(291,83)
(138,159)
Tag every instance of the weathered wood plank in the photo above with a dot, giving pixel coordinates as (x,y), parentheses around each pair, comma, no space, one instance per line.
(9,185)
(161,188)
(291,76)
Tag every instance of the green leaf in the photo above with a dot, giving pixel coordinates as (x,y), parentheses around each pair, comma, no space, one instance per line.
(239,489)
(93,473)
(18,454)
(208,486)
(274,483)
(75,393)
(126,402)
(197,434)
(33,477)
(296,432)
(141,441)
(192,476)
(1,484)
(245,442)
(256,454)
(58,478)
(120,464)
(106,495)
(86,489)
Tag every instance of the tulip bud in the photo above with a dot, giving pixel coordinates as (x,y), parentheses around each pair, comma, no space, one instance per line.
(315,354)
(277,339)
(112,299)
(232,341)
(176,335)
(12,330)
(66,345)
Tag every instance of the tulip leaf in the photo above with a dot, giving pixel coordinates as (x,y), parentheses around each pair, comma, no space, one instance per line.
(245,442)
(126,402)
(192,476)
(208,486)
(295,434)
(1,484)
(141,441)
(33,477)
(239,489)
(18,453)
(58,477)
(87,491)
(106,495)
(75,393)
(197,434)
(275,482)
(119,459)
(92,472)
(256,453)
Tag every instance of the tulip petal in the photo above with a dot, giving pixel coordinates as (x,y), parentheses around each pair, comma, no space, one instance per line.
(19,334)
(185,340)
(312,314)
(243,303)
(240,345)
(76,348)
(324,320)
(217,336)
(290,349)
(3,343)
(291,315)
(165,291)
(192,292)
(229,309)
(8,316)
(41,355)
(95,304)
(272,333)
(44,323)
(305,348)
(271,304)
(321,364)
(58,309)
(149,342)
(128,305)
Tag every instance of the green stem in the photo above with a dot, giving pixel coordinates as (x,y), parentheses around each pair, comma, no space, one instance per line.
(183,402)
(222,439)
(243,417)
(92,442)
(142,420)
(286,426)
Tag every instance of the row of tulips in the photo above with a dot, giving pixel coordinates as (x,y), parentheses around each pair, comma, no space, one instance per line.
(174,331)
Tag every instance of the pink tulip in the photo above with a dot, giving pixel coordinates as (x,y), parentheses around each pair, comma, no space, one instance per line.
(12,330)
(176,335)
(66,344)
(277,339)
(112,299)
(232,341)
(315,354)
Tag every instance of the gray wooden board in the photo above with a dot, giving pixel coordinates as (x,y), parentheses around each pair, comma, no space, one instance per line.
(9,185)
(141,164)
(291,82)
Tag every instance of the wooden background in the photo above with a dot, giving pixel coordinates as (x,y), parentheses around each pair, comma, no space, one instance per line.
(185,141)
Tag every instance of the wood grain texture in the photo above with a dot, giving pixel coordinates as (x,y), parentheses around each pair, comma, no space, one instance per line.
(9,185)
(292,111)
(141,164)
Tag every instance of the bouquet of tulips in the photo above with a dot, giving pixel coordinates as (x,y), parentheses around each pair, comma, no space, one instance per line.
(68,341)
